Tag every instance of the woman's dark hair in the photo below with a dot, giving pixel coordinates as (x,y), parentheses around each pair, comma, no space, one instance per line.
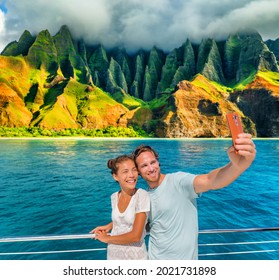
(113,164)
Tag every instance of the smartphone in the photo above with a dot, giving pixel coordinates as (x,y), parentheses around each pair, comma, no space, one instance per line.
(234,125)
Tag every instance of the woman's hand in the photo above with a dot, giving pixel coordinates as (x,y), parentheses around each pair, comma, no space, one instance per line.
(102,236)
(105,228)
(102,229)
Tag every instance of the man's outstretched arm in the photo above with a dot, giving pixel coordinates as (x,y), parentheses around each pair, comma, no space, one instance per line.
(239,162)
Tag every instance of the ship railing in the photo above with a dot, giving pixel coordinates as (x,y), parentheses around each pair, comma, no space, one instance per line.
(92,236)
(246,243)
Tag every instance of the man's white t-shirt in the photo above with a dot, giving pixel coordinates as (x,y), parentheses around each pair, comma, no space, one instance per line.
(173,219)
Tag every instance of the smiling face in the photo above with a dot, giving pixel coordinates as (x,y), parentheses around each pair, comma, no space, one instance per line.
(149,168)
(126,175)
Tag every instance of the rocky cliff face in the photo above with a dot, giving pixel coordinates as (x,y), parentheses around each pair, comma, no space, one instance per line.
(194,111)
(58,82)
(260,102)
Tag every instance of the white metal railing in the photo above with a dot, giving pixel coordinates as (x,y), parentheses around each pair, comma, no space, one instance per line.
(92,236)
(46,238)
(244,230)
(239,230)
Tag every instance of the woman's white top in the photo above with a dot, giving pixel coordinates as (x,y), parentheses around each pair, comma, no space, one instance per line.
(123,223)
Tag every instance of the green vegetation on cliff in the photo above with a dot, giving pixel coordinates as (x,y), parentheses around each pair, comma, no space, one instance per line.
(110,131)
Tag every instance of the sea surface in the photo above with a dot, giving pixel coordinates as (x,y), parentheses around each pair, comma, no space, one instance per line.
(62,186)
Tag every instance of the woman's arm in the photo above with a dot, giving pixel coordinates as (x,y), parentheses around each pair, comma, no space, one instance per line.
(130,237)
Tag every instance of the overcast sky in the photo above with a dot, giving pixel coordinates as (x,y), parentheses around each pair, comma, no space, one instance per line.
(139,23)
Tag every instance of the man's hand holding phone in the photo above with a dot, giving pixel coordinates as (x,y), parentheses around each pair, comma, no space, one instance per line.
(243,151)
(235,126)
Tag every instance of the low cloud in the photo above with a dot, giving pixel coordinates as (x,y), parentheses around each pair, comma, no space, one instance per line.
(138,24)
(2,29)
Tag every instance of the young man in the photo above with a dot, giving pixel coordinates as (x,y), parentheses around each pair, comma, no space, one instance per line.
(173,216)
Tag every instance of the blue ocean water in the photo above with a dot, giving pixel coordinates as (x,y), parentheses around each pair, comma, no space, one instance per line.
(62,186)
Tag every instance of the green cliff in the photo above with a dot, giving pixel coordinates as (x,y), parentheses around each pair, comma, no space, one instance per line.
(58,82)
